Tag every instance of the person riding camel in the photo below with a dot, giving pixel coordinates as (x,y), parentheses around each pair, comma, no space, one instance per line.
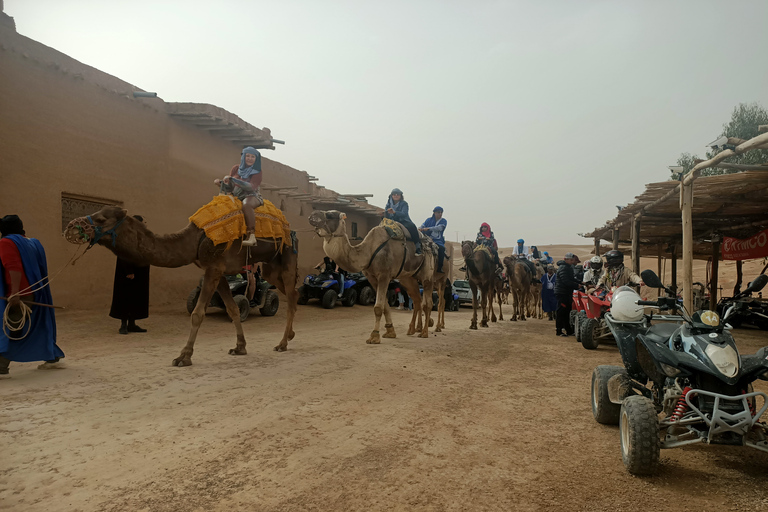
(594,272)
(615,273)
(244,182)
(397,210)
(435,227)
(523,253)
(485,237)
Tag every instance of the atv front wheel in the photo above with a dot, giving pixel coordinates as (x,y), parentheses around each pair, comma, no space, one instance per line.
(604,411)
(639,434)
(572,318)
(350,298)
(581,317)
(589,332)
(192,300)
(271,304)
(367,296)
(244,306)
(303,296)
(329,299)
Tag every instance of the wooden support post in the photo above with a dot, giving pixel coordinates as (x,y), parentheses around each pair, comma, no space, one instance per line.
(715,269)
(686,203)
(660,257)
(597,246)
(636,245)
(615,239)
(673,268)
(739,276)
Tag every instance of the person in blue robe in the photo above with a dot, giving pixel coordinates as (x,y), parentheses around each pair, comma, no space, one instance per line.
(548,299)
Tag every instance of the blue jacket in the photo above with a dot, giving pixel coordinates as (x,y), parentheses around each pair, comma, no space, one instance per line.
(401,210)
(436,229)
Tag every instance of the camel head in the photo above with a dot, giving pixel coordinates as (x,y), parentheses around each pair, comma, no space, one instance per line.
(328,224)
(82,230)
(467,246)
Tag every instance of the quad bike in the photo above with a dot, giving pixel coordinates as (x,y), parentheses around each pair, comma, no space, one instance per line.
(747,310)
(366,295)
(683,381)
(591,326)
(578,312)
(325,287)
(265,298)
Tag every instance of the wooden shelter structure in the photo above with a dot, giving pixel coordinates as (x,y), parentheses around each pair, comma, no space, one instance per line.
(673,219)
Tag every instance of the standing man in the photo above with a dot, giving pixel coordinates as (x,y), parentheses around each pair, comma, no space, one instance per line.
(22,263)
(548,299)
(565,283)
(130,294)
(434,227)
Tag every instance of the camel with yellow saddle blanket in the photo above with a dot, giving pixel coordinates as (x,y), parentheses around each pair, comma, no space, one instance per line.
(212,241)
(383,255)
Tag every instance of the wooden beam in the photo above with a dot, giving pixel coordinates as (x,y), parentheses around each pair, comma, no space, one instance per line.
(272,188)
(636,245)
(660,259)
(686,204)
(597,246)
(739,276)
(615,239)
(753,143)
(713,280)
(673,268)
(744,167)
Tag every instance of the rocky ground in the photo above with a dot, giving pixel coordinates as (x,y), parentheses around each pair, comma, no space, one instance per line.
(494,419)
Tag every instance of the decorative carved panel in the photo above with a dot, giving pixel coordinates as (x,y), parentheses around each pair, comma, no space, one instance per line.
(74,206)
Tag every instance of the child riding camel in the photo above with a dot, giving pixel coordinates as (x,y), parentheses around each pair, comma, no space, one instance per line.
(485,237)
(397,210)
(244,182)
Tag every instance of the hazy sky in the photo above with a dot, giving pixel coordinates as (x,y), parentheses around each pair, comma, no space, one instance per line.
(537,117)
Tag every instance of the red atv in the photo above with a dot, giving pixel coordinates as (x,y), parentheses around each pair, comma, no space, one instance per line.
(590,323)
(578,311)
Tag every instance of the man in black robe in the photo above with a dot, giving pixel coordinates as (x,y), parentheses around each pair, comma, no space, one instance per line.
(130,294)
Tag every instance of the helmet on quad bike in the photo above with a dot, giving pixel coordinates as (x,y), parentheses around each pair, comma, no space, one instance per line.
(595,263)
(614,258)
(624,307)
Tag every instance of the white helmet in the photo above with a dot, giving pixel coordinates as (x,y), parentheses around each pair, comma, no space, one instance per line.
(624,307)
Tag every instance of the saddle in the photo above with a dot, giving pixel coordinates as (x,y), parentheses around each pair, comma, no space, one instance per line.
(396,231)
(223,222)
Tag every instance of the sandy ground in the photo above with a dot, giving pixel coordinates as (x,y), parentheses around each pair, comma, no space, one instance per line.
(495,419)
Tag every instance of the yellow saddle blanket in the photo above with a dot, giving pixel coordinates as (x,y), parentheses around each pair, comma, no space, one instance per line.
(394,229)
(223,222)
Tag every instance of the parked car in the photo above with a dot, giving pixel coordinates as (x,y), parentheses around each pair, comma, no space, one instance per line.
(464,292)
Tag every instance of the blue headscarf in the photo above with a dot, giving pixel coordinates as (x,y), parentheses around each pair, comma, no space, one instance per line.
(246,172)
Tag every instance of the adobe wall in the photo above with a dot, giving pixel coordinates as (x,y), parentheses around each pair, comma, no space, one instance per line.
(69,128)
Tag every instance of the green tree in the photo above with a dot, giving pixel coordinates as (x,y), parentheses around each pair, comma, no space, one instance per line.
(745,119)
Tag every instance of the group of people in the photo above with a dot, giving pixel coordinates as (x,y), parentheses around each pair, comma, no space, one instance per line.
(557,288)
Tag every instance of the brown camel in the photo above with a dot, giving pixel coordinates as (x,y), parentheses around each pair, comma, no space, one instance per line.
(440,281)
(481,273)
(129,239)
(519,278)
(381,258)
(534,309)
(498,293)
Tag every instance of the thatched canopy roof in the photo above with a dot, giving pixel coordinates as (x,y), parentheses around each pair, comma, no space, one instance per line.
(734,205)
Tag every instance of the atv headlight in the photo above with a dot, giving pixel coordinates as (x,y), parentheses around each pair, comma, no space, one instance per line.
(326,284)
(725,359)
(308,280)
(670,371)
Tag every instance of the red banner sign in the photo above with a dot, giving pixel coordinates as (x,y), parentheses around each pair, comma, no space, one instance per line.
(751,248)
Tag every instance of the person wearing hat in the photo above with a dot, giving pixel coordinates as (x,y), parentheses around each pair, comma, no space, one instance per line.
(434,227)
(244,182)
(521,250)
(548,258)
(616,274)
(548,299)
(397,210)
(565,283)
(593,273)
(22,263)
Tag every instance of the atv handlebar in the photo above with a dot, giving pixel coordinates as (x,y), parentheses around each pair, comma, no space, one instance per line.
(647,303)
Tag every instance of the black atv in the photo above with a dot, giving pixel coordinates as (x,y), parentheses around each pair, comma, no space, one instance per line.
(265,298)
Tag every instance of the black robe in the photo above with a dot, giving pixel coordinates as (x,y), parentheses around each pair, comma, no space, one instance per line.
(130,297)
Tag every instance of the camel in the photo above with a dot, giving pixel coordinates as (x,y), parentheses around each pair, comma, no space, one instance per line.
(481,273)
(519,278)
(439,282)
(381,258)
(505,290)
(129,239)
(534,302)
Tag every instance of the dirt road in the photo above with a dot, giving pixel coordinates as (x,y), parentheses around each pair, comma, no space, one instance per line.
(495,419)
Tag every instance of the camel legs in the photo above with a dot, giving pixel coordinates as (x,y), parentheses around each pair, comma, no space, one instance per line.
(234,314)
(484,297)
(210,280)
(440,303)
(381,307)
(412,287)
(499,299)
(473,289)
(285,277)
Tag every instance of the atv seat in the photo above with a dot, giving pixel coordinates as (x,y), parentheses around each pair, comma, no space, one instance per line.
(661,332)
